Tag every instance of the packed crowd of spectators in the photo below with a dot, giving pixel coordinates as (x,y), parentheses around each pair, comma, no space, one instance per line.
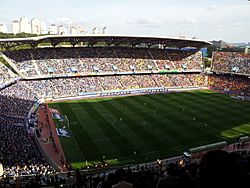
(178,60)
(231,62)
(32,89)
(231,84)
(14,107)
(64,61)
(19,154)
(6,75)
(16,100)
(19,90)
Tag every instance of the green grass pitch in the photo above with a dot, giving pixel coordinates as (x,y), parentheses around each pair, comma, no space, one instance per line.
(125,130)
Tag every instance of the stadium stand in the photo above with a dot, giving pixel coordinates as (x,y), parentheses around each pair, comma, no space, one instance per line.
(23,158)
(60,87)
(89,60)
(6,76)
(122,68)
(232,73)
(231,62)
(230,84)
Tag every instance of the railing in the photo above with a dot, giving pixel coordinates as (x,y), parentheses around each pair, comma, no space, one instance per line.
(124,92)
(244,139)
(112,73)
(208,147)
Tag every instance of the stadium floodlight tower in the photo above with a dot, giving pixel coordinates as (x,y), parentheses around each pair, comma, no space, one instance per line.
(104,30)
(94,30)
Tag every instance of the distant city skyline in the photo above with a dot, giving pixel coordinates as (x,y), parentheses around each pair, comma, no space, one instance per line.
(226,20)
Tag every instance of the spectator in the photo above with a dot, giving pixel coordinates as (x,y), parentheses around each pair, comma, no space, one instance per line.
(71,61)
(230,84)
(219,169)
(231,62)
(70,182)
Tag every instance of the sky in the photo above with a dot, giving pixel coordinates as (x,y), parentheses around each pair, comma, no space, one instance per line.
(227,20)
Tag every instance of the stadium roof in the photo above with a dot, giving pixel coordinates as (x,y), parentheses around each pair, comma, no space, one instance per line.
(116,40)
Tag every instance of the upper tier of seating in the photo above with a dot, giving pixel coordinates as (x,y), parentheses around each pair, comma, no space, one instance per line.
(88,60)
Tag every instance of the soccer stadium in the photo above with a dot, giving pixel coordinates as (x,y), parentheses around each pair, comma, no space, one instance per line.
(103,107)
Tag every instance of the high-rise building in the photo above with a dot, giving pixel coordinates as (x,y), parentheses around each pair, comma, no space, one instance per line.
(15,27)
(43,28)
(24,26)
(3,28)
(35,26)
(61,30)
(53,29)
(72,30)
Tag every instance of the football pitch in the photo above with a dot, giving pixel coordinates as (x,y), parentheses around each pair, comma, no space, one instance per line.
(134,129)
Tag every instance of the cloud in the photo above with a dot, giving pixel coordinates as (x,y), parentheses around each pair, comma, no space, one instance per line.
(220,25)
(160,23)
(239,24)
(212,7)
(147,22)
(187,20)
(131,22)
